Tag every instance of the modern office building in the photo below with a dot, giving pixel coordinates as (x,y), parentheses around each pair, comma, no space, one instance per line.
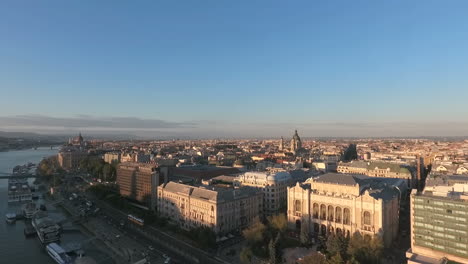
(346,204)
(139,181)
(439,221)
(273,184)
(222,209)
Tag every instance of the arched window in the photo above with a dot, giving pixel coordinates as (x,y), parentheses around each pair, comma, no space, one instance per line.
(297,206)
(346,216)
(323,212)
(338,214)
(331,213)
(315,211)
(367,218)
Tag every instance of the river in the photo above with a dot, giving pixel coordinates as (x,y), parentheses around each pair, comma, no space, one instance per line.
(14,247)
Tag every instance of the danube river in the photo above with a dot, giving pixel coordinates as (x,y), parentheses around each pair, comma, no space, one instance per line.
(14,247)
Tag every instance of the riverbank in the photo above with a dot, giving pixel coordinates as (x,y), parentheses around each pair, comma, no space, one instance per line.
(85,228)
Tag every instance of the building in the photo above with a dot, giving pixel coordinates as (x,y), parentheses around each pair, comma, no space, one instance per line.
(112,157)
(346,204)
(449,168)
(273,184)
(139,181)
(77,141)
(69,158)
(281,145)
(198,173)
(379,169)
(296,142)
(439,221)
(223,210)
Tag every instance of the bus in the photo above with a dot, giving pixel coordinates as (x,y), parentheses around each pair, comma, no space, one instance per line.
(136,220)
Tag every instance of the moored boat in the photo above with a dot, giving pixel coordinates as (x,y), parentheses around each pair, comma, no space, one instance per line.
(10,218)
(57,253)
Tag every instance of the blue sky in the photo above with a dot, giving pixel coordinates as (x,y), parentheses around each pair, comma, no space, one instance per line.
(237,67)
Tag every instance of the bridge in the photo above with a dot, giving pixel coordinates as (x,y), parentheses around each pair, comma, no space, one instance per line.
(11,176)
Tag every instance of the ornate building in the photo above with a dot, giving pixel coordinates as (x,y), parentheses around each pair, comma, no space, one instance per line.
(380,169)
(345,204)
(77,141)
(222,209)
(296,143)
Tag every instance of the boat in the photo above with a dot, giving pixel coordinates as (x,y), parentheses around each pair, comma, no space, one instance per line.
(10,218)
(57,253)
(19,191)
(47,229)
(29,210)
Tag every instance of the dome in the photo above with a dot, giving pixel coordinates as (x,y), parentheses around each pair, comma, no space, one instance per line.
(296,136)
(279,176)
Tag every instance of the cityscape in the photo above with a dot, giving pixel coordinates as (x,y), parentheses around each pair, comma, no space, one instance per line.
(234,132)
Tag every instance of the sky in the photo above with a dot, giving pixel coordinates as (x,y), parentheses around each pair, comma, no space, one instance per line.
(218,68)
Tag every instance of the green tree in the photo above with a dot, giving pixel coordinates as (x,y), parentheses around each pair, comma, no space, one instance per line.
(106,172)
(365,249)
(272,249)
(336,244)
(305,236)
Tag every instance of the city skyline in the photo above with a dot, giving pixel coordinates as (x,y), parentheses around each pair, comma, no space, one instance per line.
(235,69)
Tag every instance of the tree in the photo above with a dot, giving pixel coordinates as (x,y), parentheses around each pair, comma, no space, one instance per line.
(336,244)
(278,222)
(365,249)
(272,249)
(106,171)
(246,255)
(336,259)
(254,233)
(315,258)
(305,236)
(376,248)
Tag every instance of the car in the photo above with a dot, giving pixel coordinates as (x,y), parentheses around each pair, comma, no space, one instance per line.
(167,261)
(117,236)
(150,247)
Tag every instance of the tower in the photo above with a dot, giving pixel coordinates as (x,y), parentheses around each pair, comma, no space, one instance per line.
(296,142)
(281,146)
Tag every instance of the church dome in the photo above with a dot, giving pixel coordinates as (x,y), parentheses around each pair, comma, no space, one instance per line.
(296,136)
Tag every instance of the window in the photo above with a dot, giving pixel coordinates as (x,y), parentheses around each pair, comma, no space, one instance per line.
(367,218)
(338,214)
(346,216)
(315,211)
(297,206)
(323,212)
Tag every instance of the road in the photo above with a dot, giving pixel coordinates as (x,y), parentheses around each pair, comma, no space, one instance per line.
(126,247)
